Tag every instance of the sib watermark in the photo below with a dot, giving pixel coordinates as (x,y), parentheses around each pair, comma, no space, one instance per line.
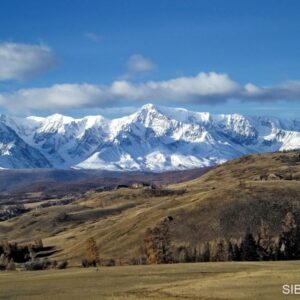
(291,289)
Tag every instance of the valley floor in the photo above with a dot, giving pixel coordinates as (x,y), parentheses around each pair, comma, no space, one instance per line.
(231,280)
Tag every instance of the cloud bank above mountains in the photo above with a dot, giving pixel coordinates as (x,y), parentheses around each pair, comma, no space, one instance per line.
(204,88)
(23,61)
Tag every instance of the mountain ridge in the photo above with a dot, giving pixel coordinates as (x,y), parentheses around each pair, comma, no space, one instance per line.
(155,138)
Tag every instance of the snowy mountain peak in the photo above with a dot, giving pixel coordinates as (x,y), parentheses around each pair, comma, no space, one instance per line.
(148,107)
(58,118)
(148,111)
(155,138)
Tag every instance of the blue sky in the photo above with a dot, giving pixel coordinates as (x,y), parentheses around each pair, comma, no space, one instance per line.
(89,57)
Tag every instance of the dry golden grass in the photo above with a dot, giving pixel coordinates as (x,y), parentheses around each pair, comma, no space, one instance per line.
(231,280)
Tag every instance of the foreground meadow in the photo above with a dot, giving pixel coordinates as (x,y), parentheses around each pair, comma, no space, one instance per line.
(230,280)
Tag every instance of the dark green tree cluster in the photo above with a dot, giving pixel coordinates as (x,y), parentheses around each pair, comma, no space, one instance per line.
(263,246)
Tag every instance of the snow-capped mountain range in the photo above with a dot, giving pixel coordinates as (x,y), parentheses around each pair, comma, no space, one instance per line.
(152,139)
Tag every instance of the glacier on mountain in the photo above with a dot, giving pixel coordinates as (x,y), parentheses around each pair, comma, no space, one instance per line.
(152,139)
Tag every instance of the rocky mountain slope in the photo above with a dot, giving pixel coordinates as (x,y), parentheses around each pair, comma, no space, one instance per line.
(152,139)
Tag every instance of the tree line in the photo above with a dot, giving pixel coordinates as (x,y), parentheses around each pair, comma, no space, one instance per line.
(158,249)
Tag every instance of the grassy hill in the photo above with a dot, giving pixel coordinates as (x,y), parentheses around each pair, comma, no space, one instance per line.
(222,203)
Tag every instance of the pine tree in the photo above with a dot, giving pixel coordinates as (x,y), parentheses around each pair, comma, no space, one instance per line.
(236,255)
(220,250)
(249,248)
(230,252)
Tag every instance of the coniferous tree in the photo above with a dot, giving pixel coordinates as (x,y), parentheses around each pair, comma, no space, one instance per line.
(220,250)
(249,248)
(236,250)
(230,252)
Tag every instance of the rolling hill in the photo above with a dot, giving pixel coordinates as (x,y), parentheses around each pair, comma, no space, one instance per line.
(224,202)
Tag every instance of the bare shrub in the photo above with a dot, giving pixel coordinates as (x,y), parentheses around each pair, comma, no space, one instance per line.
(88,263)
(37,265)
(62,265)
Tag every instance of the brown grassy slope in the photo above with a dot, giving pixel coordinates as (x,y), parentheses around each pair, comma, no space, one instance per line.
(224,202)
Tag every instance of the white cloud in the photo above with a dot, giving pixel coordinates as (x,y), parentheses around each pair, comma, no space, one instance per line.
(57,97)
(204,85)
(203,88)
(289,90)
(23,61)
